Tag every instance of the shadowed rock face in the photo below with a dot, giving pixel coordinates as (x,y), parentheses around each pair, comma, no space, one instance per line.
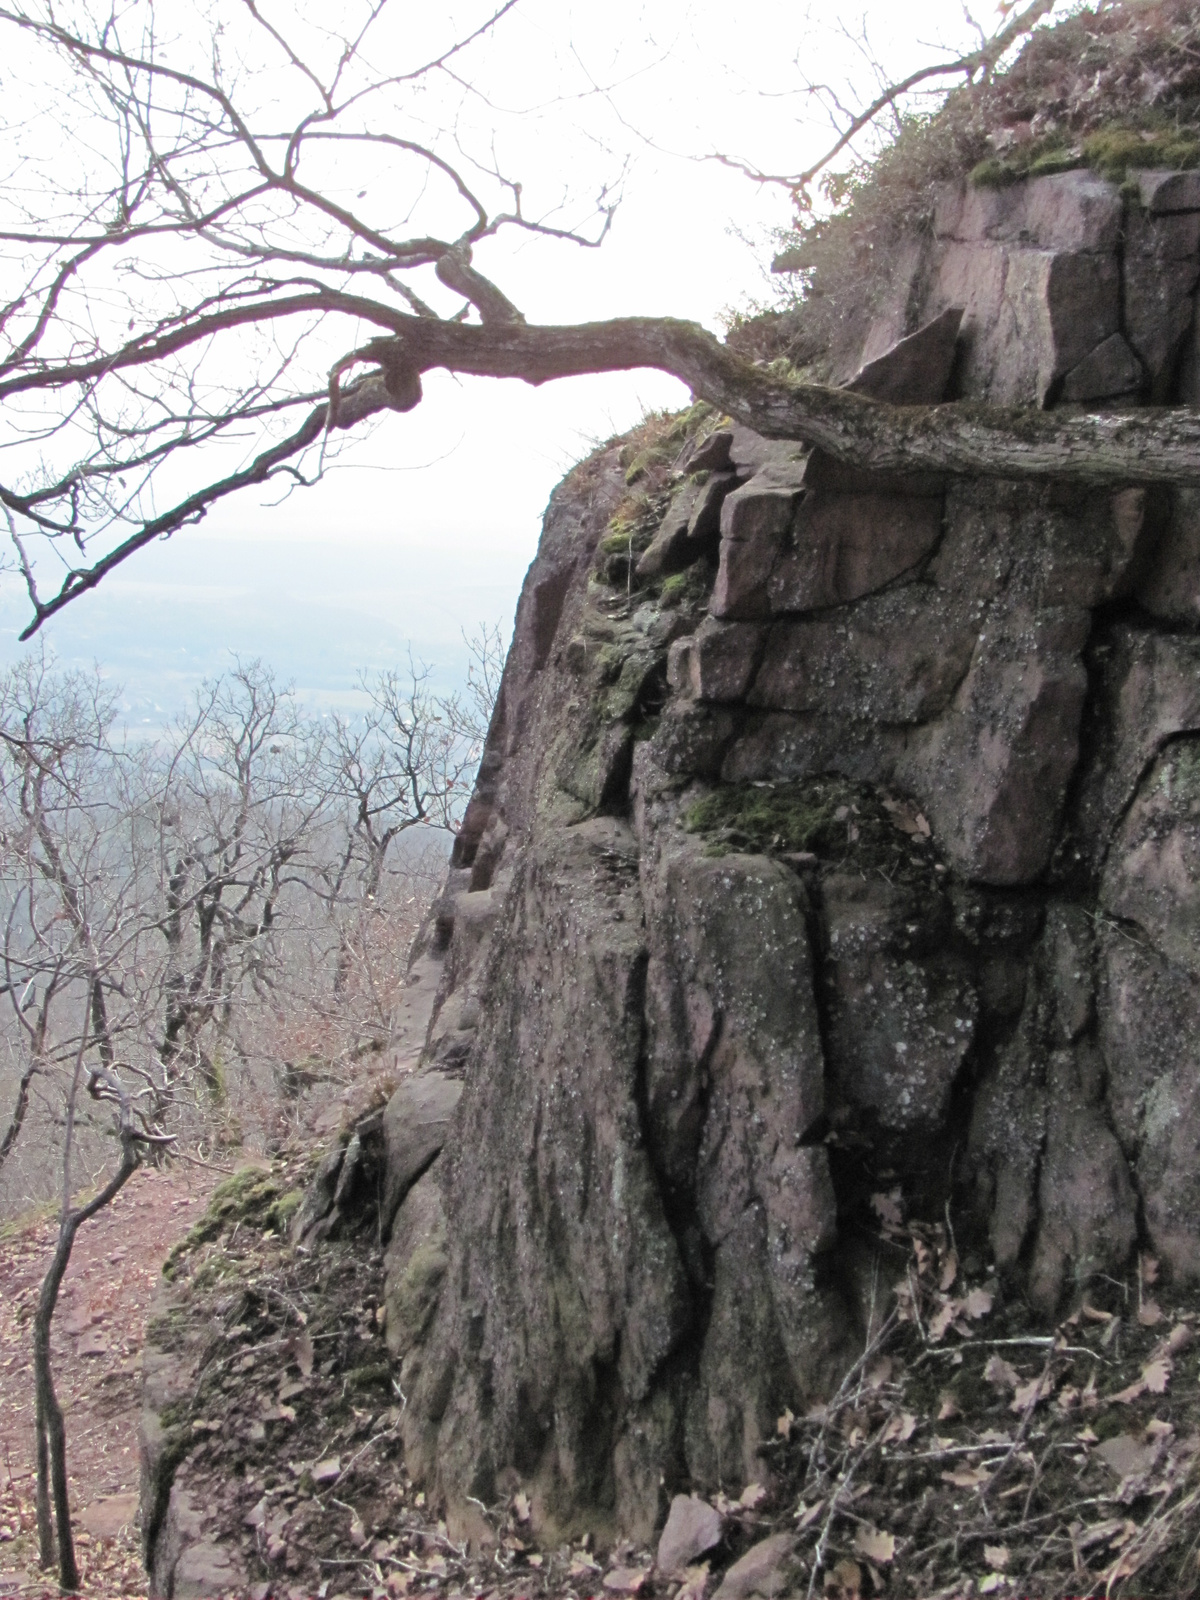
(855,832)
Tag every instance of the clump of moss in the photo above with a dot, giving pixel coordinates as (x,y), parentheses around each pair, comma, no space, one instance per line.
(251,1195)
(630,529)
(1115,152)
(831,818)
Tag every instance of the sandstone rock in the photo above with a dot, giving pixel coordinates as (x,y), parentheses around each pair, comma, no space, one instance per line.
(415,1125)
(893,658)
(414,1265)
(1150,1034)
(993,772)
(1061,211)
(1160,272)
(1005,1140)
(692,739)
(902,1008)
(1170,585)
(187,1561)
(1087,1208)
(711,454)
(845,546)
(665,551)
(1069,961)
(776,746)
(1111,369)
(916,370)
(1169,191)
(762,1571)
(749,453)
(704,524)
(551,1137)
(207,1569)
(1147,689)
(1153,873)
(1030,315)
(717,662)
(755,523)
(693,1527)
(734,1080)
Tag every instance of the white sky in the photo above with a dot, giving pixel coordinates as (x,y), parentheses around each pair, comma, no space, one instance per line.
(426,526)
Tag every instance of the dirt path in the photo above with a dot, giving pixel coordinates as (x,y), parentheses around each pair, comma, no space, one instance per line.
(97,1347)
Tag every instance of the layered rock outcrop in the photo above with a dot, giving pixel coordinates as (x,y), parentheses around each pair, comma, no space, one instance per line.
(834,832)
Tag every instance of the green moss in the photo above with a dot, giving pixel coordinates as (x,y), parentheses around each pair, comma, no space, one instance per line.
(284,1209)
(245,1196)
(829,817)
(784,817)
(1116,150)
(369,1376)
(1113,151)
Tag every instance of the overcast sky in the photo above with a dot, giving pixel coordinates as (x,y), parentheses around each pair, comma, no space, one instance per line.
(426,527)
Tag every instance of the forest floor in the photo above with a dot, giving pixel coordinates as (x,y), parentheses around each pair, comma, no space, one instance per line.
(971,1452)
(96,1347)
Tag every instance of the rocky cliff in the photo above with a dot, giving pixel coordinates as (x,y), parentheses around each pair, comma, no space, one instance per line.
(834,845)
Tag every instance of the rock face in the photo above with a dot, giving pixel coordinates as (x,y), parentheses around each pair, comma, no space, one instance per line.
(833,831)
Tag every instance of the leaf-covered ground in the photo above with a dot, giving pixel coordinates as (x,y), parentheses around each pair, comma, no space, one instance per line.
(96,1351)
(969,1452)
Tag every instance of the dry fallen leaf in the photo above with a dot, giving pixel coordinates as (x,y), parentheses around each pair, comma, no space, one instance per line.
(998,1556)
(1127,1455)
(625,1580)
(695,1581)
(993,1581)
(1179,1338)
(521,1506)
(783,1424)
(949,1407)
(1126,1397)
(966,1477)
(898,1428)
(1157,1375)
(1001,1373)
(949,1271)
(844,1582)
(358,1533)
(1094,1314)
(978,1303)
(1028,1395)
(1148,1269)
(876,1545)
(807,1515)
(302,1353)
(1150,1313)
(752,1496)
(887,1208)
(939,1322)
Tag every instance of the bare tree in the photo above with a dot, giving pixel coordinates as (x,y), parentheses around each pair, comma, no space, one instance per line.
(135,1134)
(240,798)
(193,271)
(69,868)
(972,66)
